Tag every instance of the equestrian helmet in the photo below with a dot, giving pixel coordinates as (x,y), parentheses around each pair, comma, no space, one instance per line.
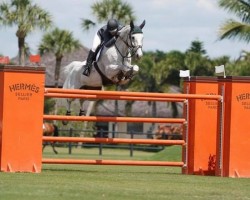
(112,25)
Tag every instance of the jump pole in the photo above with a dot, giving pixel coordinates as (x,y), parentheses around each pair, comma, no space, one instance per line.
(112,162)
(113,140)
(117,94)
(113,119)
(89,96)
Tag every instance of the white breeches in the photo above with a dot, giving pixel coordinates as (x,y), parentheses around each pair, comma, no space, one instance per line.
(96,42)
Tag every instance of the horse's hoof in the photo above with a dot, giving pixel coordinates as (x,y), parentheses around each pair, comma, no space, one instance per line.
(82,113)
(129,74)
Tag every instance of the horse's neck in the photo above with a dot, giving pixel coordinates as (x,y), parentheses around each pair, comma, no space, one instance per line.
(122,42)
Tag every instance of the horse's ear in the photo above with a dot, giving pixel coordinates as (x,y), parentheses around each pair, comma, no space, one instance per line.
(132,25)
(143,24)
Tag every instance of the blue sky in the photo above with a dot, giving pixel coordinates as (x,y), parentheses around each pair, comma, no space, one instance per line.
(170,25)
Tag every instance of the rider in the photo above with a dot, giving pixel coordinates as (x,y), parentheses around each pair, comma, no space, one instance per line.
(104,35)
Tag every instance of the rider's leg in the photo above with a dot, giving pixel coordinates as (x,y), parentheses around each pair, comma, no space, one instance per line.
(91,55)
(87,66)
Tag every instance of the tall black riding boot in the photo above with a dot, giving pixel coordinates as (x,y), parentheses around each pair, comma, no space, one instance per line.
(88,65)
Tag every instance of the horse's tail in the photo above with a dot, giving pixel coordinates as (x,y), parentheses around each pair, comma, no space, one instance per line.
(56,132)
(68,68)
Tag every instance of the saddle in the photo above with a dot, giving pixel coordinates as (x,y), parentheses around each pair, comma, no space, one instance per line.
(99,49)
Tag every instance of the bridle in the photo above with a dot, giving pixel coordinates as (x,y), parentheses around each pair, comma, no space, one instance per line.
(132,49)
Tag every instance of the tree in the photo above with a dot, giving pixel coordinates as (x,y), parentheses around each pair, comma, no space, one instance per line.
(197,61)
(174,62)
(27,17)
(107,9)
(49,104)
(233,29)
(58,42)
(197,47)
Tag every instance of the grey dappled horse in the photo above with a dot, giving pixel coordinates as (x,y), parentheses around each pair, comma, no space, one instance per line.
(113,65)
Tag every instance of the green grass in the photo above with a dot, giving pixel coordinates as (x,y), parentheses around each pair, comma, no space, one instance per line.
(118,182)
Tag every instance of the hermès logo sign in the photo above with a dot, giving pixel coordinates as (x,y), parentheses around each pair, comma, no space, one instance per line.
(210,104)
(244,100)
(24,91)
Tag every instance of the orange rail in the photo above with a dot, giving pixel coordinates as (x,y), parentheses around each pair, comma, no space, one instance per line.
(112,162)
(84,96)
(113,119)
(113,140)
(133,94)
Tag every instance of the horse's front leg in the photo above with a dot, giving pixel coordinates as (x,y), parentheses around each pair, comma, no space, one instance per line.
(128,69)
(127,74)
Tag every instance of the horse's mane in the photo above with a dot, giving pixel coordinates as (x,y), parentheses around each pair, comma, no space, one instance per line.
(125,30)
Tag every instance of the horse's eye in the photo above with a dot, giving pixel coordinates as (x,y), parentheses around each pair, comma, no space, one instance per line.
(133,38)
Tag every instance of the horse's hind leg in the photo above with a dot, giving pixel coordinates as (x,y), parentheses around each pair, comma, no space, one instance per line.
(68,113)
(81,112)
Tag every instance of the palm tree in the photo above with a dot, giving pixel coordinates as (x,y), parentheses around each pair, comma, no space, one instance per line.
(107,9)
(26,16)
(197,47)
(58,42)
(197,61)
(174,62)
(233,29)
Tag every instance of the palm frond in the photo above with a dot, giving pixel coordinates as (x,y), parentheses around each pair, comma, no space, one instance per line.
(241,8)
(107,9)
(232,29)
(86,24)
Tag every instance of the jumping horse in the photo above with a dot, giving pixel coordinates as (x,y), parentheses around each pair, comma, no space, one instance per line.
(112,66)
(50,129)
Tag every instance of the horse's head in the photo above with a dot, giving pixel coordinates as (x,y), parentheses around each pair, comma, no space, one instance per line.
(132,37)
(136,38)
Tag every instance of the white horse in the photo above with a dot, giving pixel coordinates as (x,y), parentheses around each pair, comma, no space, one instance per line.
(113,65)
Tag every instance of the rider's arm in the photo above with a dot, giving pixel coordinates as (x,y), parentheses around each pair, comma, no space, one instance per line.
(110,42)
